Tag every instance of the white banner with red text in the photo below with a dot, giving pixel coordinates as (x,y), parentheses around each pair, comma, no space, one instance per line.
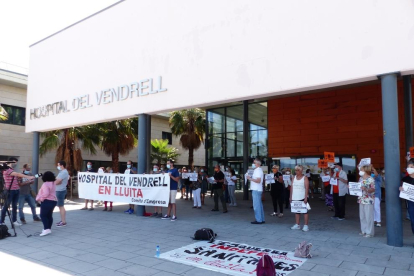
(232,258)
(138,189)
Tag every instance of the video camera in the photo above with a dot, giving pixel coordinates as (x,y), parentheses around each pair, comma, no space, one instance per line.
(4,165)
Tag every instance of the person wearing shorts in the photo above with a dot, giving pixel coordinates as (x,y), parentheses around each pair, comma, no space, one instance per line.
(61,182)
(300,190)
(174,178)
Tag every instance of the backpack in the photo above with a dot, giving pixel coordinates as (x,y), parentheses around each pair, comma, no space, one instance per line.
(205,234)
(303,250)
(4,232)
(266,266)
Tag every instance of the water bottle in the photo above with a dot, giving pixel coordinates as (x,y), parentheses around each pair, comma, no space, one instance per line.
(158,251)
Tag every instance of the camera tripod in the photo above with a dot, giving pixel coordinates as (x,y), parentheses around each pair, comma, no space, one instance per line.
(4,196)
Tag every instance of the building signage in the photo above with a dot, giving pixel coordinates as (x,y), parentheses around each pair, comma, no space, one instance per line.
(106,96)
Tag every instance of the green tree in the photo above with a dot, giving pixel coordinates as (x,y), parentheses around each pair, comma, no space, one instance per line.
(4,116)
(161,152)
(118,138)
(69,143)
(189,124)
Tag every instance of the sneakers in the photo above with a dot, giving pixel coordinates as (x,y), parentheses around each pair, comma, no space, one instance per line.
(305,228)
(45,232)
(274,214)
(16,223)
(362,234)
(37,219)
(378,225)
(23,221)
(60,224)
(173,218)
(130,211)
(341,218)
(127,211)
(368,236)
(295,227)
(334,217)
(154,215)
(166,217)
(160,215)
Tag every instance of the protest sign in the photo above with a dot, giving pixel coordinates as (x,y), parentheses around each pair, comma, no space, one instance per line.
(192,176)
(364,162)
(269,178)
(408,192)
(298,207)
(210,180)
(326,178)
(185,175)
(329,156)
(286,177)
(322,163)
(333,181)
(250,172)
(355,188)
(138,189)
(232,258)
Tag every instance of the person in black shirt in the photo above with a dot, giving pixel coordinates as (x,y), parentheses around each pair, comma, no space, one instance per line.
(409,179)
(277,191)
(218,189)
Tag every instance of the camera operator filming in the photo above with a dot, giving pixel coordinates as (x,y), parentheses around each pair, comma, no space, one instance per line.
(11,189)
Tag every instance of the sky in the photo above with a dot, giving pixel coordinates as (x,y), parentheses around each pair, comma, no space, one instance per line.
(24,22)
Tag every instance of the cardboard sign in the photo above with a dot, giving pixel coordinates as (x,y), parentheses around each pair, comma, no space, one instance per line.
(333,181)
(298,207)
(355,188)
(364,162)
(185,175)
(407,192)
(269,178)
(286,177)
(322,163)
(250,172)
(329,156)
(193,176)
(326,178)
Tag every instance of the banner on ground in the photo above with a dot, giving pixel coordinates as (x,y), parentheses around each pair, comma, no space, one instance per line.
(138,189)
(407,192)
(232,258)
(355,188)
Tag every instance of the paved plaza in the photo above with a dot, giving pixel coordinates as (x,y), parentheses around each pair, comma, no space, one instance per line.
(115,244)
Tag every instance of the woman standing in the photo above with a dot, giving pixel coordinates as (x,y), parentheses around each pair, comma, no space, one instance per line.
(327,189)
(196,193)
(108,170)
(202,178)
(409,179)
(288,184)
(277,191)
(299,192)
(366,201)
(47,199)
(232,187)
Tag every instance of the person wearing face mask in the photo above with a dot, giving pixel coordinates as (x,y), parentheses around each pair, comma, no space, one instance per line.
(25,196)
(327,189)
(409,179)
(377,204)
(277,191)
(157,209)
(202,179)
(61,183)
(231,183)
(108,170)
(197,192)
(11,186)
(288,184)
(130,170)
(366,201)
(339,191)
(300,192)
(218,189)
(174,178)
(89,169)
(256,185)
(186,184)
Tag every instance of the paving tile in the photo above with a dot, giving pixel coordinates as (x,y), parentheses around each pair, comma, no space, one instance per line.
(362,267)
(298,272)
(23,250)
(104,272)
(120,255)
(307,266)
(391,263)
(91,258)
(80,267)
(59,260)
(379,257)
(363,273)
(113,264)
(350,258)
(174,267)
(334,270)
(395,272)
(138,270)
(198,272)
(145,261)
(325,261)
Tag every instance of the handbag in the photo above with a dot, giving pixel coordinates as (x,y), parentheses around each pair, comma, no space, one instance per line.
(303,250)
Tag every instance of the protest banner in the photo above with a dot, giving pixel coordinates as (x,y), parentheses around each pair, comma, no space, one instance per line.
(286,177)
(326,178)
(355,188)
(333,181)
(269,178)
(329,156)
(408,192)
(298,207)
(138,189)
(192,176)
(322,163)
(232,258)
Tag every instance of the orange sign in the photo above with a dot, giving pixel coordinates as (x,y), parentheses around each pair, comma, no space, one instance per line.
(323,164)
(329,156)
(412,152)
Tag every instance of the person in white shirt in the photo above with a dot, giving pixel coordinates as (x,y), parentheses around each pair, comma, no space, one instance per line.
(61,183)
(299,192)
(288,184)
(232,187)
(256,185)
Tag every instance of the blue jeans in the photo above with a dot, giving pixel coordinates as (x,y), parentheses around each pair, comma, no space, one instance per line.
(258,206)
(13,198)
(410,208)
(46,213)
(30,200)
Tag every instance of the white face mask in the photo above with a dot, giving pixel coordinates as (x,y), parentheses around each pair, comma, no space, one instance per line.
(287,172)
(202,170)
(253,165)
(155,169)
(361,173)
(58,167)
(410,170)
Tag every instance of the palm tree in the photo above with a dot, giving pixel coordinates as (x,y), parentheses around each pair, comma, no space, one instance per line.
(190,125)
(69,142)
(118,138)
(161,152)
(4,116)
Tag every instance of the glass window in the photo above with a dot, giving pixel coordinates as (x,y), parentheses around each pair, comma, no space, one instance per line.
(16,115)
(167,136)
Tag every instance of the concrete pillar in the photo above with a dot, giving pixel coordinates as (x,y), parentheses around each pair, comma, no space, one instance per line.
(142,153)
(149,161)
(408,113)
(392,158)
(245,146)
(35,157)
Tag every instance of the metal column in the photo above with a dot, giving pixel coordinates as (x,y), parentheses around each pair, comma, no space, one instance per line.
(408,113)
(149,161)
(245,146)
(35,158)
(392,158)
(142,152)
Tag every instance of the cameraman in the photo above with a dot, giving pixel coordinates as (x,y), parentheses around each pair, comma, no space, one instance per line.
(12,190)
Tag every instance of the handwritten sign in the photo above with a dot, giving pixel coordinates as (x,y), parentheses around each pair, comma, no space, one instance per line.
(407,192)
(192,176)
(325,178)
(250,172)
(298,207)
(286,177)
(269,178)
(355,188)
(322,163)
(329,156)
(364,162)
(185,175)
(333,181)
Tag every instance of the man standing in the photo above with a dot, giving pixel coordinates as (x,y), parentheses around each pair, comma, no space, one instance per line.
(25,196)
(90,170)
(157,209)
(61,184)
(130,170)
(218,189)
(174,178)
(257,189)
(12,188)
(339,192)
